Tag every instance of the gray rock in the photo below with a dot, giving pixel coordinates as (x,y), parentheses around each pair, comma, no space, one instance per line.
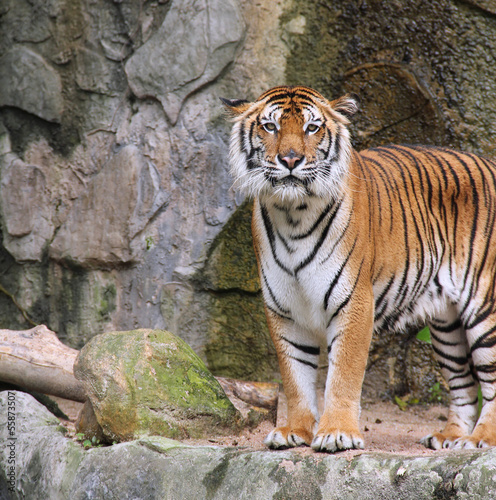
(49,465)
(25,210)
(94,72)
(150,382)
(195,43)
(31,84)
(123,197)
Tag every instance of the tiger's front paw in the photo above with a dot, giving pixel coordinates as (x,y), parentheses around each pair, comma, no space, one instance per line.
(287,437)
(337,440)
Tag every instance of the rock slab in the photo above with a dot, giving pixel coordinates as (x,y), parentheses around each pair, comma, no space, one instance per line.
(30,84)
(198,38)
(49,465)
(150,382)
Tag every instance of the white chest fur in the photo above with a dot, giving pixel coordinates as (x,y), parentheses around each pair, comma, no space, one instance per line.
(300,251)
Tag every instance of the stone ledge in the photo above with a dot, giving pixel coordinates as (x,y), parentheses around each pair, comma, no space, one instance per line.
(49,465)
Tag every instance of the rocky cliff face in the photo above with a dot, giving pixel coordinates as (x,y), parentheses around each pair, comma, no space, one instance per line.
(114,171)
(115,197)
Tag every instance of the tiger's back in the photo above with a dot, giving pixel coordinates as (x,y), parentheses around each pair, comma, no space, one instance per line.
(347,242)
(433,211)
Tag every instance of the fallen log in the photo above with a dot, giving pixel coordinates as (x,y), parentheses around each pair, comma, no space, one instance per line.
(259,394)
(38,361)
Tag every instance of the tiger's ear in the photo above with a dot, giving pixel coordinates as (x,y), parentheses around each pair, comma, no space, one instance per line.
(235,107)
(347,105)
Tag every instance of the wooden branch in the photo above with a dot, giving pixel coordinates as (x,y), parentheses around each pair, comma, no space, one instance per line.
(36,360)
(260,394)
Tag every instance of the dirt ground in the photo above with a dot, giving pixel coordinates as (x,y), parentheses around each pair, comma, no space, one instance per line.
(385,428)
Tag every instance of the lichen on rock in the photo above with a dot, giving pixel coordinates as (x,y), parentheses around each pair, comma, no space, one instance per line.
(150,382)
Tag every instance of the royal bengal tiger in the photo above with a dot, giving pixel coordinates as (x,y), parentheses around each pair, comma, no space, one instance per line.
(347,242)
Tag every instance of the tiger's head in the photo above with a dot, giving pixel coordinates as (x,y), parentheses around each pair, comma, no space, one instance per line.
(290,143)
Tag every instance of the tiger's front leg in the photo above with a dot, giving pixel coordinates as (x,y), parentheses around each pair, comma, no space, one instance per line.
(349,337)
(298,355)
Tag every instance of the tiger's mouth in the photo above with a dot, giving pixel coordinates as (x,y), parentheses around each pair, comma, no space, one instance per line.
(289,180)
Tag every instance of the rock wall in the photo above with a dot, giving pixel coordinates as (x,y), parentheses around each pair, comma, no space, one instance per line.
(116,204)
(114,171)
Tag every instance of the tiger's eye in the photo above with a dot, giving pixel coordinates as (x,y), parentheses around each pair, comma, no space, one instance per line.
(311,127)
(270,127)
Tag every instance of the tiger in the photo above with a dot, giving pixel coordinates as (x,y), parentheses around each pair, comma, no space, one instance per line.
(350,242)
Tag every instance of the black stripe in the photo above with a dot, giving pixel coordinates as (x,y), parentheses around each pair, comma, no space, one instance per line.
(461,375)
(488,368)
(464,386)
(338,240)
(345,301)
(473,233)
(337,276)
(319,242)
(404,290)
(448,328)
(285,243)
(459,360)
(307,349)
(305,362)
(381,298)
(489,399)
(329,347)
(443,342)
(452,370)
(484,341)
(480,318)
(269,230)
(272,295)
(470,403)
(321,217)
(336,143)
(271,309)
(283,94)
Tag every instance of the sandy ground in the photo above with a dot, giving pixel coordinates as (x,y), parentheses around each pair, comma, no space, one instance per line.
(385,428)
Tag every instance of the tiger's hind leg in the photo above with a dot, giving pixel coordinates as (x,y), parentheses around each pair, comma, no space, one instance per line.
(481,336)
(451,351)
(298,355)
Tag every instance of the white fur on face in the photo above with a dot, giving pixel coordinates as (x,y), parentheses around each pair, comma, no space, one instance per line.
(255,175)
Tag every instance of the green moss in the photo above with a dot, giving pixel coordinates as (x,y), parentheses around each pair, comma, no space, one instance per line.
(106,297)
(239,344)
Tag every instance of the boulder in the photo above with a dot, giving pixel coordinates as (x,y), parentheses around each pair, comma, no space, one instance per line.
(150,382)
(25,209)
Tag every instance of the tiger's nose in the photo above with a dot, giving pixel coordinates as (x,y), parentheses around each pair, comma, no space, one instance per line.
(291,160)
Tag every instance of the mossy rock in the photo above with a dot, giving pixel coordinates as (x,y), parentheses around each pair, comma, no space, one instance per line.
(150,382)
(239,344)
